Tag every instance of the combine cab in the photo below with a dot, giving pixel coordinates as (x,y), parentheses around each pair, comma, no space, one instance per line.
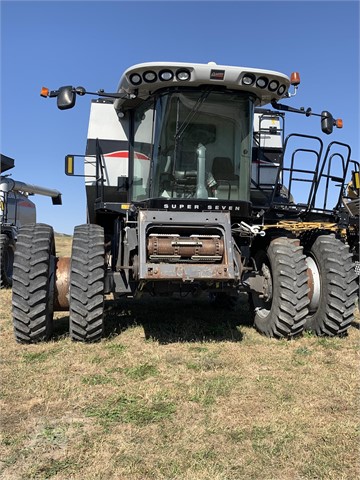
(190,187)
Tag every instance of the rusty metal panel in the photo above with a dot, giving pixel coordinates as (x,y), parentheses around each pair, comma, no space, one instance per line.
(62,284)
(219,269)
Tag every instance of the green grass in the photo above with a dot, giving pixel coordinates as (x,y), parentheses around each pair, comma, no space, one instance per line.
(178,391)
(39,356)
(206,392)
(142,371)
(131,410)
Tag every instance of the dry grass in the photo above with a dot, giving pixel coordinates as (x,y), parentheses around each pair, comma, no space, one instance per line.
(63,245)
(179,390)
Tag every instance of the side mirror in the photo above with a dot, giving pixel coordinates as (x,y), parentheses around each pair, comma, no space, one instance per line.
(69,165)
(66,97)
(327,122)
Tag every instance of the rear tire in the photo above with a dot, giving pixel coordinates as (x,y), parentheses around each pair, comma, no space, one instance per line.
(281,311)
(7,249)
(87,280)
(33,283)
(336,287)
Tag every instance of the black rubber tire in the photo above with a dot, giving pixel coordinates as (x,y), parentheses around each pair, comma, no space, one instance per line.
(283,313)
(33,283)
(7,249)
(338,287)
(87,281)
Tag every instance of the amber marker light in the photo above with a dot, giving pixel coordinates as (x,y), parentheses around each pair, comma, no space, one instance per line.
(339,123)
(295,78)
(44,92)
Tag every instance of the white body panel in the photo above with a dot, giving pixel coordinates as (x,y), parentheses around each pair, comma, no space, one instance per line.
(104,124)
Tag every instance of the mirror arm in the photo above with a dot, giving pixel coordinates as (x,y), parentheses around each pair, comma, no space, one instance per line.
(53,93)
(327,120)
(286,108)
(127,96)
(100,93)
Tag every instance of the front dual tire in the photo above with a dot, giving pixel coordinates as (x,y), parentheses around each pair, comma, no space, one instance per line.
(87,280)
(280,310)
(33,283)
(314,288)
(334,279)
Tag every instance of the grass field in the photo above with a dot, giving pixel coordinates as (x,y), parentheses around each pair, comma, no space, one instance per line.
(178,389)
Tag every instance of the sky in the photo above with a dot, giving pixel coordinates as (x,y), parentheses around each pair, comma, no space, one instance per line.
(91,43)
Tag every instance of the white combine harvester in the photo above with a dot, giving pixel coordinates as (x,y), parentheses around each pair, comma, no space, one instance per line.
(189,189)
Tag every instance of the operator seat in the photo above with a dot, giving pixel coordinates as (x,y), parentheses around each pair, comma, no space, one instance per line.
(227,181)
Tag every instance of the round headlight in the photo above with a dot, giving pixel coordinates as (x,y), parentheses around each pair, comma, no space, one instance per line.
(183,75)
(149,76)
(166,75)
(281,90)
(135,79)
(273,85)
(248,79)
(261,82)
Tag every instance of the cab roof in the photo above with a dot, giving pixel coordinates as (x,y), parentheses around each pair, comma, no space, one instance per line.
(144,79)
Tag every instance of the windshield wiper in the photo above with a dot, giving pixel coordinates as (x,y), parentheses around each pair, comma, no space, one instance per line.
(181,129)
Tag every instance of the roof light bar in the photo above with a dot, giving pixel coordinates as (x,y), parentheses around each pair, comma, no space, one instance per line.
(273,85)
(135,79)
(149,76)
(183,75)
(282,90)
(248,79)
(166,75)
(262,82)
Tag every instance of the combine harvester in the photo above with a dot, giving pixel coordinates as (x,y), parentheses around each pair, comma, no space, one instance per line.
(191,186)
(16,210)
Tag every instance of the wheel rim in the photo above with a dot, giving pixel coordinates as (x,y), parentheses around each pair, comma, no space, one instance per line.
(314,284)
(263,301)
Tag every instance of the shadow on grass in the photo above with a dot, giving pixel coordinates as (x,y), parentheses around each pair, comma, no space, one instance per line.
(60,328)
(175,319)
(171,320)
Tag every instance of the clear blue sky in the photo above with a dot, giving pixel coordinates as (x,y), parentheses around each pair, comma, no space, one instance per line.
(90,43)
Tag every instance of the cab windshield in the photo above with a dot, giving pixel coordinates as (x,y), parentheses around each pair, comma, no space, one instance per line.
(202,143)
